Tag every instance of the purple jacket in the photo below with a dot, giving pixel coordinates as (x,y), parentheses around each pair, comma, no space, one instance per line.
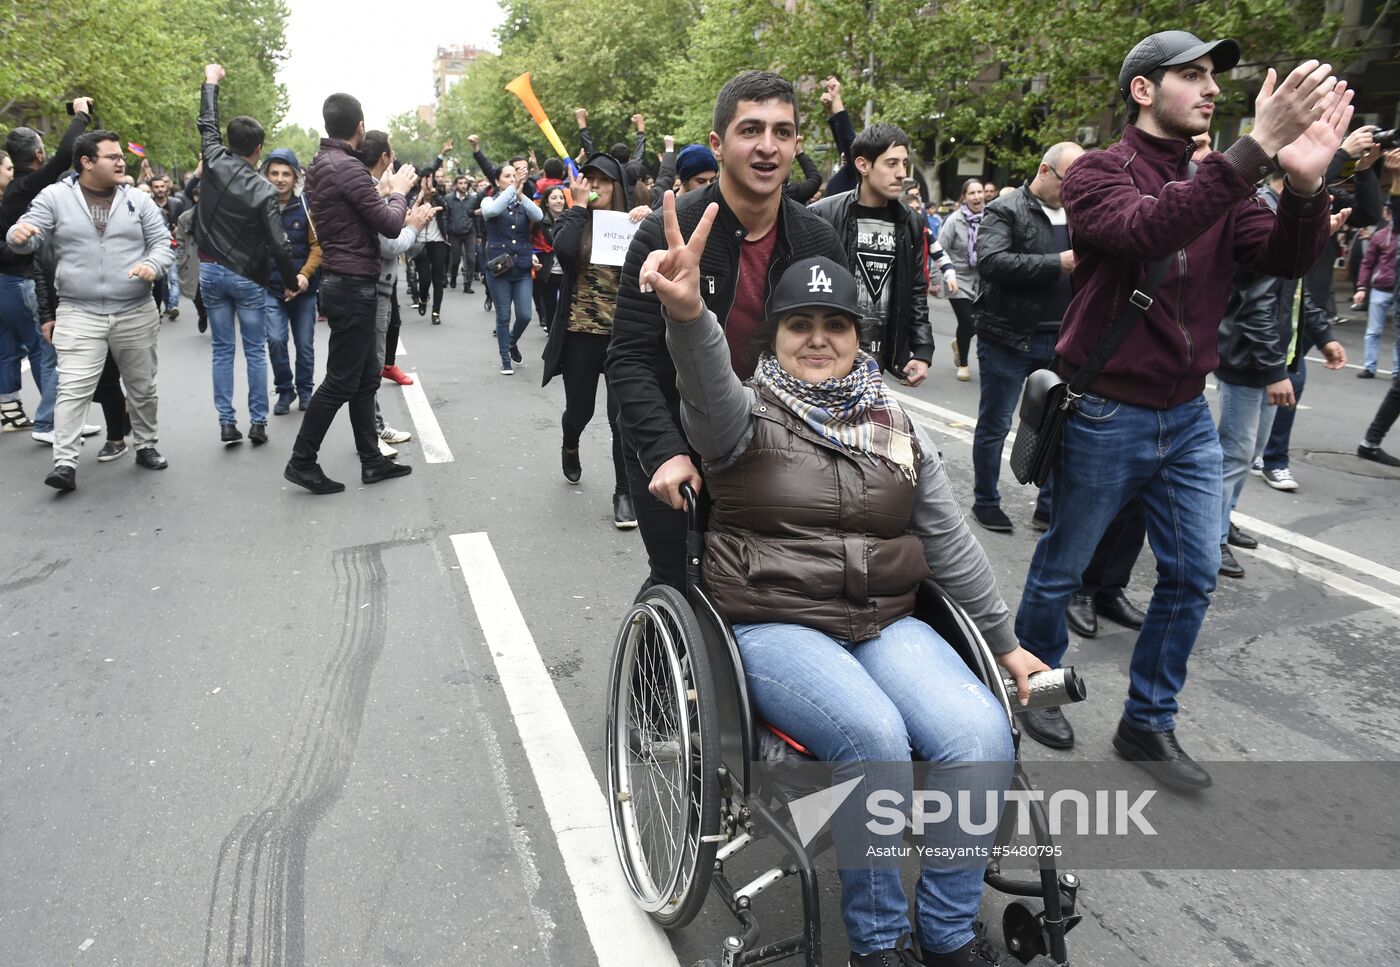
(1130,205)
(1378,264)
(348,212)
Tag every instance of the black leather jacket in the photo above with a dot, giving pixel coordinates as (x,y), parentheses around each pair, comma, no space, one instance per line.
(1019,266)
(1257,327)
(237,222)
(907,333)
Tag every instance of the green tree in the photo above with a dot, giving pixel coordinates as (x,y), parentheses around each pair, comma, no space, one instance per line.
(304,142)
(412,138)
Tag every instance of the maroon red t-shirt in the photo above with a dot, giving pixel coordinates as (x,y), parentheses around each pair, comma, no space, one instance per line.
(746,314)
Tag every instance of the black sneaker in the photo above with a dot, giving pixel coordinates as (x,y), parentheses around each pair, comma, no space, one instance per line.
(203,324)
(1366,374)
(624,517)
(229,434)
(900,955)
(257,434)
(489,306)
(111,450)
(452,283)
(573,469)
(422,308)
(283,406)
(63,477)
(313,480)
(304,402)
(993,518)
(1229,567)
(150,458)
(976,953)
(515,353)
(437,318)
(383,470)
(1377,455)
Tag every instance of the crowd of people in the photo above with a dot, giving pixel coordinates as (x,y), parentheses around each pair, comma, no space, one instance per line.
(744,345)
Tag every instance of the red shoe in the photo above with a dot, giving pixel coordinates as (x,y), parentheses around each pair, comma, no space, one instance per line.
(397,375)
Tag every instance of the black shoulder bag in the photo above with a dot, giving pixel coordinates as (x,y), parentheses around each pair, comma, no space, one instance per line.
(1048,400)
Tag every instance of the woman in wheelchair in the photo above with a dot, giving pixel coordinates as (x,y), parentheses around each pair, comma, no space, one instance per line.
(829,509)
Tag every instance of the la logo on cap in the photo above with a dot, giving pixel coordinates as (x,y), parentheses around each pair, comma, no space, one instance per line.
(820,281)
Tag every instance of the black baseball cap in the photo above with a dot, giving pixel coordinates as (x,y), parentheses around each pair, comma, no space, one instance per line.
(815,282)
(1169,48)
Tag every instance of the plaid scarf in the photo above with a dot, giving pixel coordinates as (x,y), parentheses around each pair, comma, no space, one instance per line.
(855,413)
(974,222)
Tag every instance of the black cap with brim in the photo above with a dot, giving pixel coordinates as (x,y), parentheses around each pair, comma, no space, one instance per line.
(1170,48)
(815,283)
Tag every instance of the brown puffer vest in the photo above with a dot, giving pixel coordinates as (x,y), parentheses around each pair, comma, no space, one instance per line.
(803,533)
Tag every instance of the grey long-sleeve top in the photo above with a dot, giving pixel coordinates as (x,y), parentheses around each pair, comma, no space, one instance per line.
(717,414)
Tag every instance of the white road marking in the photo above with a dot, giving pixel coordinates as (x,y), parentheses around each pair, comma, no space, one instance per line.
(618,929)
(430,438)
(959,426)
(1331,579)
(1322,362)
(400,351)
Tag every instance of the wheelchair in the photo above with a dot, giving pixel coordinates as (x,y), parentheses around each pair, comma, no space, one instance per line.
(682,737)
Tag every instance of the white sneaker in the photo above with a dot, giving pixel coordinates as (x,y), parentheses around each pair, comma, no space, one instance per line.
(90,430)
(1280,479)
(43,436)
(390,435)
(1257,467)
(387,451)
(507,371)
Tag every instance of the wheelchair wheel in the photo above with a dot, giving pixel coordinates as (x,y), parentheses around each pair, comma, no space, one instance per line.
(663,757)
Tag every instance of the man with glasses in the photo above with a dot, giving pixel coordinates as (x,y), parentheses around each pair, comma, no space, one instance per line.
(110,243)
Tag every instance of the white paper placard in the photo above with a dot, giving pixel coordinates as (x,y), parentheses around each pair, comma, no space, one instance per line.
(612,234)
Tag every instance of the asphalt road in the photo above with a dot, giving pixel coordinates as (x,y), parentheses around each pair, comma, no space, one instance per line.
(243,725)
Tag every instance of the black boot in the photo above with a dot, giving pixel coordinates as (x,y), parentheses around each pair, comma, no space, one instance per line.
(1161,755)
(1080,615)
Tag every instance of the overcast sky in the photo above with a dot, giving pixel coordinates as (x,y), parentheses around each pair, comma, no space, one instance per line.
(380,52)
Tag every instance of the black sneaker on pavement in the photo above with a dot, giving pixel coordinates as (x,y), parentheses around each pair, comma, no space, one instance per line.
(1161,755)
(283,406)
(900,955)
(573,467)
(1280,478)
(437,318)
(1366,374)
(383,470)
(980,952)
(63,477)
(111,450)
(515,354)
(257,433)
(1048,726)
(313,480)
(993,518)
(1229,567)
(624,517)
(1377,455)
(150,458)
(229,434)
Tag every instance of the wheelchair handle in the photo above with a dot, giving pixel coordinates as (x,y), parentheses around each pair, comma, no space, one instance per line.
(1057,686)
(694,539)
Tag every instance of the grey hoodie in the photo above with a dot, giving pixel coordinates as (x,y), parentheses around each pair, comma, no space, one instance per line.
(717,413)
(93,271)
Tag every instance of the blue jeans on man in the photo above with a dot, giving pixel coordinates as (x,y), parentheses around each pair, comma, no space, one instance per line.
(229,297)
(1377,311)
(862,706)
(20,338)
(296,319)
(172,287)
(1246,418)
(1002,372)
(1171,460)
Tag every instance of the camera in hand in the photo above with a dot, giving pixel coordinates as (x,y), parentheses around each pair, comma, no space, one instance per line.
(1386,140)
(92,107)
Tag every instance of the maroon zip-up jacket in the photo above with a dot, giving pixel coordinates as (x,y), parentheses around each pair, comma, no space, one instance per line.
(348,211)
(1131,205)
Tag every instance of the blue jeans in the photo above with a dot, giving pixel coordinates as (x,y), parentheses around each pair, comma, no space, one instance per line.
(19,337)
(1170,459)
(513,287)
(229,296)
(1377,309)
(48,390)
(1002,372)
(298,316)
(1246,417)
(172,287)
(867,705)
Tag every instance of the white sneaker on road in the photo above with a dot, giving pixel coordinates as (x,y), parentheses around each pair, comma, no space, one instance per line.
(90,430)
(1280,479)
(46,436)
(390,435)
(386,451)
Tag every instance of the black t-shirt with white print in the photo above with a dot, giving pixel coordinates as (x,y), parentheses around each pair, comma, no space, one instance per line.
(874,265)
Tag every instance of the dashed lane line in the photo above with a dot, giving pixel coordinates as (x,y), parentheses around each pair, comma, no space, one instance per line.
(959,426)
(621,933)
(430,439)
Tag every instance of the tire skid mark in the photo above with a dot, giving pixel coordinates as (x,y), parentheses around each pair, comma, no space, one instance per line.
(44,572)
(257,902)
